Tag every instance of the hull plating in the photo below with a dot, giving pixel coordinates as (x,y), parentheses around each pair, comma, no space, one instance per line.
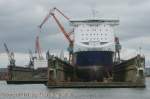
(93,65)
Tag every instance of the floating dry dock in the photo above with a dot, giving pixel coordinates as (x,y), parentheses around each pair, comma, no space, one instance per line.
(127,74)
(26,75)
(94,58)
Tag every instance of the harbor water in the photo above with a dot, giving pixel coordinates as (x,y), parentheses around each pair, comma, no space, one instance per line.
(39,91)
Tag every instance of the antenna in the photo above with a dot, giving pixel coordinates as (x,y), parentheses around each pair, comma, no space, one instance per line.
(140,50)
(93,13)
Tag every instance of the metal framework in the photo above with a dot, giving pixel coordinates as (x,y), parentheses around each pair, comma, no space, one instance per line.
(66,34)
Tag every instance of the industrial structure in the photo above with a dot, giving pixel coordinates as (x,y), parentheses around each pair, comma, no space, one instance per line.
(10,55)
(66,34)
(93,61)
(131,70)
(4,74)
(36,70)
(92,48)
(147,71)
(94,56)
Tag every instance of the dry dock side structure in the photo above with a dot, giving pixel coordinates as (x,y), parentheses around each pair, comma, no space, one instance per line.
(17,73)
(59,71)
(127,74)
(26,75)
(130,70)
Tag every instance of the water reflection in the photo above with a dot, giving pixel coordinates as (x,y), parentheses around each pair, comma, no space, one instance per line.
(39,91)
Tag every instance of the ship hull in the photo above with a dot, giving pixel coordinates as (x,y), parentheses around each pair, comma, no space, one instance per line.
(93,65)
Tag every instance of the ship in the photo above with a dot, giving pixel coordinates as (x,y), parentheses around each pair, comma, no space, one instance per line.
(94,48)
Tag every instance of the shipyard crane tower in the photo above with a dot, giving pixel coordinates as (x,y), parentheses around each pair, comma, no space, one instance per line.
(38,49)
(10,55)
(32,58)
(117,50)
(66,34)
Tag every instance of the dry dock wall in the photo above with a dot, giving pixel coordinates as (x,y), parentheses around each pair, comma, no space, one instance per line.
(59,71)
(18,73)
(129,73)
(131,70)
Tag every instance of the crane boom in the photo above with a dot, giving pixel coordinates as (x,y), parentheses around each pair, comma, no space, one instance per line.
(46,18)
(10,55)
(62,13)
(66,34)
(62,28)
(6,49)
(51,13)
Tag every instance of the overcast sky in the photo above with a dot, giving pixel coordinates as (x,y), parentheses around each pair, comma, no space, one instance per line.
(19,20)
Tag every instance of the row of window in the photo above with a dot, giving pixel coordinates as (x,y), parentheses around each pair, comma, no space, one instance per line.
(81,30)
(94,39)
(91,25)
(93,34)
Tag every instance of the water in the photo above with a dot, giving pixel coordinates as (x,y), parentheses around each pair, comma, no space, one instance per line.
(39,91)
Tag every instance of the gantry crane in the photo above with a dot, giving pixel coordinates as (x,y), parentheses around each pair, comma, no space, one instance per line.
(66,34)
(10,55)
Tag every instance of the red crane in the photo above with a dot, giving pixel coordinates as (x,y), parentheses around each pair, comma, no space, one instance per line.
(66,34)
(38,49)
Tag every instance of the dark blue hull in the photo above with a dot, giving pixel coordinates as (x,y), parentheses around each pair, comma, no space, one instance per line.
(93,65)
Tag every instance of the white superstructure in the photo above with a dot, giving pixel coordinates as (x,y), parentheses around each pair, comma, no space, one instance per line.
(40,63)
(94,35)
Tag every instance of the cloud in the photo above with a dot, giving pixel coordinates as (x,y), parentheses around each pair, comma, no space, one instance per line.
(22,59)
(19,20)
(132,47)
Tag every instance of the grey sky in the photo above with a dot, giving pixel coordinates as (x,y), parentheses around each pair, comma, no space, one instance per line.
(19,20)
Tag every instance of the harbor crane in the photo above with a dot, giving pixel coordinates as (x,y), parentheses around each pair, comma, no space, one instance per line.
(66,34)
(38,49)
(10,55)
(32,58)
(117,50)
(38,53)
